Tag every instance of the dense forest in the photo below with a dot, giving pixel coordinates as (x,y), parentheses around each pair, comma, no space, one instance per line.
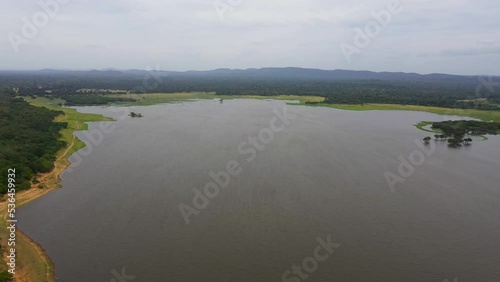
(339,87)
(29,140)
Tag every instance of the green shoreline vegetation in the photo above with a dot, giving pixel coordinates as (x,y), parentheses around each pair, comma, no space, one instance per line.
(485,115)
(58,125)
(29,139)
(456,131)
(76,120)
(315,101)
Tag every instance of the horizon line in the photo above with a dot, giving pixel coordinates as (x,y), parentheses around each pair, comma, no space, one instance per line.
(235,69)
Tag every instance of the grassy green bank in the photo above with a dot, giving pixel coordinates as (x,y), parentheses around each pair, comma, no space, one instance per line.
(76,121)
(479,114)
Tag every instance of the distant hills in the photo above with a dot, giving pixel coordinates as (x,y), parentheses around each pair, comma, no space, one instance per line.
(267,73)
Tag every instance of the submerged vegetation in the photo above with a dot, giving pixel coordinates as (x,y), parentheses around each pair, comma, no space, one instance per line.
(456,131)
(460,128)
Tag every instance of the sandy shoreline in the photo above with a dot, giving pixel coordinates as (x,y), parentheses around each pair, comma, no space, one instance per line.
(38,261)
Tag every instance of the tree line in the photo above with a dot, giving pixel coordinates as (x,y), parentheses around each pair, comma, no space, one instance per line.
(450,94)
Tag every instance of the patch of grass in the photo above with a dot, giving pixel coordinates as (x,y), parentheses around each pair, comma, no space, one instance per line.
(421,125)
(479,114)
(76,121)
(300,99)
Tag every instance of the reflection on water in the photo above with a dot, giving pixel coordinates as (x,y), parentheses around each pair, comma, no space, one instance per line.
(322,176)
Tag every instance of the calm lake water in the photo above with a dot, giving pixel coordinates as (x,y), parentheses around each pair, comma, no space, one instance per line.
(323,175)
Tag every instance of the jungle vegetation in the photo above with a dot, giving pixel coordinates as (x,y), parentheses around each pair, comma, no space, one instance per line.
(29,140)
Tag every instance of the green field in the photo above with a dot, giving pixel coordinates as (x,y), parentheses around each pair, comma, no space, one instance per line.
(300,99)
(479,114)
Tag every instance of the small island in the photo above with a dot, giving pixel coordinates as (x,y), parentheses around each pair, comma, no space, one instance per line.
(138,115)
(455,131)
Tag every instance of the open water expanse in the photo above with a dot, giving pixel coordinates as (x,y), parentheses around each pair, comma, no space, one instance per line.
(306,188)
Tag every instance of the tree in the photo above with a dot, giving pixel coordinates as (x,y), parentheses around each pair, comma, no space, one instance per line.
(29,140)
(454,142)
(467,141)
(5,276)
(427,139)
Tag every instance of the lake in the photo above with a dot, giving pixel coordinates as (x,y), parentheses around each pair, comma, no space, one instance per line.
(314,176)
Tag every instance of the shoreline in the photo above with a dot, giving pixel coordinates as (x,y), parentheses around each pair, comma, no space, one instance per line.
(484,115)
(32,262)
(314,101)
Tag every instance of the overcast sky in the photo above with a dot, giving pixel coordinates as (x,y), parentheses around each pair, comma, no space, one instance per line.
(426,36)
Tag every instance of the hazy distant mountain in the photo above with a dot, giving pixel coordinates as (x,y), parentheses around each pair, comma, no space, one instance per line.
(264,73)
(304,73)
(315,74)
